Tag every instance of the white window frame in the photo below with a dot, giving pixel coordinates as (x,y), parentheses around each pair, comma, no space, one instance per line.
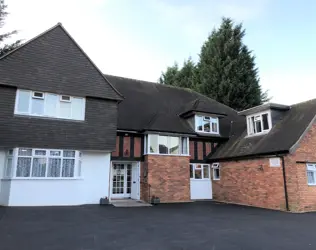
(147,145)
(312,169)
(195,166)
(251,130)
(211,120)
(216,166)
(47,156)
(59,97)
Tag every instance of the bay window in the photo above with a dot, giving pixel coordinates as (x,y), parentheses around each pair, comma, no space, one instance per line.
(166,145)
(36,103)
(206,124)
(42,163)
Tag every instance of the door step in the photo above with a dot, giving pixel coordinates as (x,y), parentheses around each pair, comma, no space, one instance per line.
(129,203)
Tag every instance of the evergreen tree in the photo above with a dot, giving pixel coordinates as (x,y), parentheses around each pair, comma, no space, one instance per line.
(4,47)
(227,70)
(170,76)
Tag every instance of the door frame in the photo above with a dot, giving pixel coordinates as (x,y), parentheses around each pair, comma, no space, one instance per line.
(111,178)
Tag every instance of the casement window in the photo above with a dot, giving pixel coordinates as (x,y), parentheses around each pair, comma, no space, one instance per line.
(206,124)
(36,103)
(311,174)
(200,171)
(216,171)
(259,123)
(166,145)
(42,163)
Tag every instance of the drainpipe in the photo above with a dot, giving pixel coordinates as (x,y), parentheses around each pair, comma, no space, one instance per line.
(285,186)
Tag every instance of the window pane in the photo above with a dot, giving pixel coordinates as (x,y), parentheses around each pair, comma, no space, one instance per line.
(206,171)
(53,167)
(214,127)
(23,167)
(258,126)
(199,123)
(153,147)
(55,153)
(191,171)
(253,124)
(184,145)
(68,168)
(65,110)
(23,101)
(216,174)
(8,170)
(40,152)
(163,144)
(10,152)
(77,108)
(174,145)
(310,177)
(25,152)
(206,126)
(68,153)
(198,173)
(37,106)
(39,167)
(265,122)
(51,101)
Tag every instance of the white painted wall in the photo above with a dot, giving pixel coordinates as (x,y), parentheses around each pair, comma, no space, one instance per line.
(201,189)
(4,185)
(93,185)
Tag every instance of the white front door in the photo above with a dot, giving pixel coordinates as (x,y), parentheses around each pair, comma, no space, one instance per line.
(121,180)
(135,181)
(200,181)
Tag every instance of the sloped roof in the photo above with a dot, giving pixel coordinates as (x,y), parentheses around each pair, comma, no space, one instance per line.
(54,62)
(156,107)
(283,135)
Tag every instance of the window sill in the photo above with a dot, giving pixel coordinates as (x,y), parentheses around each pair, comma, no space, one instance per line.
(42,179)
(207,133)
(216,179)
(258,134)
(47,117)
(312,185)
(166,154)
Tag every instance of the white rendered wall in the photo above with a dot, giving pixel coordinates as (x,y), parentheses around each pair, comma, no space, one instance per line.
(4,185)
(93,185)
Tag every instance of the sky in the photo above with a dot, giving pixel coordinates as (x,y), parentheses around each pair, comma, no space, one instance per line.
(140,38)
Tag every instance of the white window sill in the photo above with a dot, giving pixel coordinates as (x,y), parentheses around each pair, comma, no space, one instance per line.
(216,179)
(312,184)
(165,154)
(48,117)
(204,179)
(258,134)
(206,133)
(42,179)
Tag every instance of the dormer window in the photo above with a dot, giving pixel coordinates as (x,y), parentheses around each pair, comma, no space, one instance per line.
(206,124)
(259,123)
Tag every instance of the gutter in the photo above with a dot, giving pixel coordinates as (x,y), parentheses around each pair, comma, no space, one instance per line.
(285,186)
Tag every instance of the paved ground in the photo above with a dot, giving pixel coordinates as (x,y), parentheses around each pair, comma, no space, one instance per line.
(172,226)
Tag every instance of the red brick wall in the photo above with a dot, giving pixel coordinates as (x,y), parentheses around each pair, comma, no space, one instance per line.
(302,197)
(137,147)
(191,145)
(200,150)
(169,177)
(250,182)
(116,152)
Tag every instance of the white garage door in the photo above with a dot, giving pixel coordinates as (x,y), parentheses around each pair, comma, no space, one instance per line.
(200,180)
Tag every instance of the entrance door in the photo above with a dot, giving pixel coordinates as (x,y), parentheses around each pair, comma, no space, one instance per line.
(135,182)
(121,180)
(200,181)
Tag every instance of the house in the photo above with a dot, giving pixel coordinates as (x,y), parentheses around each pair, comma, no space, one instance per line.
(71,135)
(55,140)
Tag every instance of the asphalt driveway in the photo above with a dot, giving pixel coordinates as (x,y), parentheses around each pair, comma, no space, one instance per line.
(200,225)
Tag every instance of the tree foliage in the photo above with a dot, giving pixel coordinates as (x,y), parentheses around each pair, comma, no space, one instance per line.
(5,47)
(226,69)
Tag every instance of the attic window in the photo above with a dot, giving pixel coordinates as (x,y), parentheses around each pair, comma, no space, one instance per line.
(259,123)
(206,124)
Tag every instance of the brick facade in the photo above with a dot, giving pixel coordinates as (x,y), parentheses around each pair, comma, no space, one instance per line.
(302,197)
(250,182)
(253,182)
(169,177)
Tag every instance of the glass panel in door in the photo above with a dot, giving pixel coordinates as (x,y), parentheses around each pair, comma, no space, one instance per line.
(128,178)
(118,179)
